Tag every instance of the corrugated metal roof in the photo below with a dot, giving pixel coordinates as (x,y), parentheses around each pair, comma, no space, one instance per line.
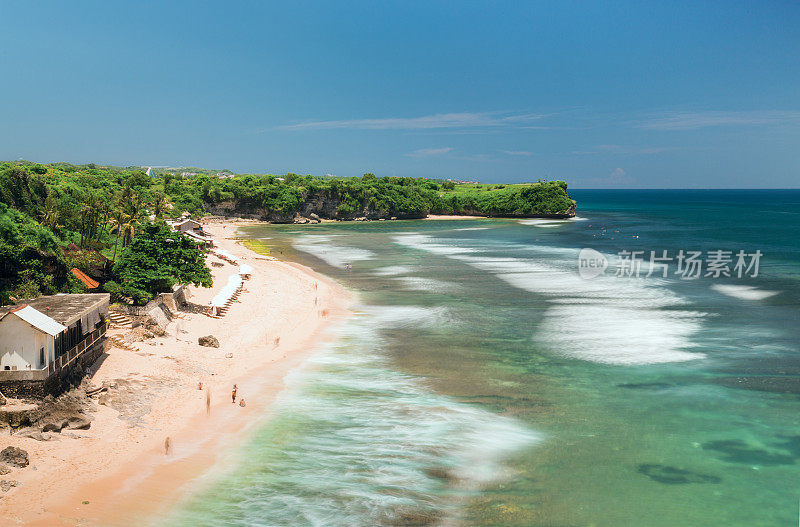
(39,320)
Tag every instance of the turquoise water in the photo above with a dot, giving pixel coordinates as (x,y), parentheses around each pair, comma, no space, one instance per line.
(484,382)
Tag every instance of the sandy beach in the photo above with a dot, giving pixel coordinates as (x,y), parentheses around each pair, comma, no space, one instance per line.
(117,472)
(452,217)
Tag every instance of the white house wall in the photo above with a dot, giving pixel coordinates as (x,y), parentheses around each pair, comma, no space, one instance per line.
(20,344)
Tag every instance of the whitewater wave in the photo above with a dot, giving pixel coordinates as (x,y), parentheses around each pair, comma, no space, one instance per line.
(550,222)
(392,270)
(607,320)
(412,316)
(334,255)
(416,283)
(353,442)
(743,292)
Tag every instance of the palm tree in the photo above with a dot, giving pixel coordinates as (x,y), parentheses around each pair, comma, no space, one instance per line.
(115,223)
(129,230)
(87,213)
(134,209)
(160,204)
(49,214)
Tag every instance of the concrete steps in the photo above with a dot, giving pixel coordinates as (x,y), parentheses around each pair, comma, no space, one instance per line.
(119,319)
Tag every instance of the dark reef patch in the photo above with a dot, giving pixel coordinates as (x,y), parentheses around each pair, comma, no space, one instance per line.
(737,451)
(790,444)
(674,475)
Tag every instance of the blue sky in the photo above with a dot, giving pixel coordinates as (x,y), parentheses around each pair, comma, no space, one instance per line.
(600,94)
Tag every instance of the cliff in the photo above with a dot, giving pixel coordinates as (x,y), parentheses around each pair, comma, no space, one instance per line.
(349,201)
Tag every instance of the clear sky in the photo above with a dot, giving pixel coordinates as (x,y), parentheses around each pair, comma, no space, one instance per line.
(601,94)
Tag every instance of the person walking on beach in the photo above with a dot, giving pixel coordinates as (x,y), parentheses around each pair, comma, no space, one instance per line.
(233,394)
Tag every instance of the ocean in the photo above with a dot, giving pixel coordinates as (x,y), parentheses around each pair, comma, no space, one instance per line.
(486,380)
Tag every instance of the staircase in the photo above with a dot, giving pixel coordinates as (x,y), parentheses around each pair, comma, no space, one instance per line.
(116,341)
(119,319)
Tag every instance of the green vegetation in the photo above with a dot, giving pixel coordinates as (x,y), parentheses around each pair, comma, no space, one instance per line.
(45,208)
(541,199)
(31,262)
(106,210)
(154,261)
(280,199)
(258,246)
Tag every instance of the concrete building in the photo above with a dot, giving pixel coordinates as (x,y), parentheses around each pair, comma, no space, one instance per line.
(193,230)
(187,225)
(44,340)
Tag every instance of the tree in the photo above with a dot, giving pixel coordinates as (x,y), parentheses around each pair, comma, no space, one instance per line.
(160,204)
(31,262)
(115,223)
(49,214)
(154,261)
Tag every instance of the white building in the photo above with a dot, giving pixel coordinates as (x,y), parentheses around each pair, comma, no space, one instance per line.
(27,339)
(187,225)
(42,336)
(192,229)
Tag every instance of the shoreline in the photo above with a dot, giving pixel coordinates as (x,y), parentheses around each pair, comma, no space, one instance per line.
(236,220)
(453,217)
(286,312)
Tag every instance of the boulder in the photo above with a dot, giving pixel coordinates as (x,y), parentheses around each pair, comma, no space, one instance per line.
(158,317)
(6,485)
(30,432)
(209,341)
(13,456)
(34,433)
(79,423)
(314,216)
(53,424)
(4,469)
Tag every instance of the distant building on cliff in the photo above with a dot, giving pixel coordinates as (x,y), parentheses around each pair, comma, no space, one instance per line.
(44,340)
(193,229)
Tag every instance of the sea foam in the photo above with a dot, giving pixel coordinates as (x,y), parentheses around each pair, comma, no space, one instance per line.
(335,255)
(417,283)
(354,442)
(392,270)
(743,292)
(606,319)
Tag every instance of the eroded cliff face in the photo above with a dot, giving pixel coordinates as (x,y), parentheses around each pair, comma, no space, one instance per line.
(314,207)
(569,213)
(322,206)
